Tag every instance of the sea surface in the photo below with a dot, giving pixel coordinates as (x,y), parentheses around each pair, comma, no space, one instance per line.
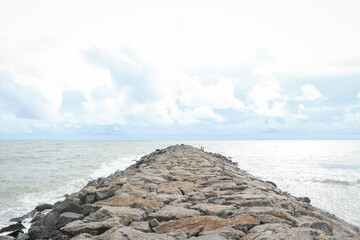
(34,172)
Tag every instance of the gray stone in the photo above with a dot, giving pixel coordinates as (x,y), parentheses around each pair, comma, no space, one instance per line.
(83,236)
(67,205)
(266,218)
(94,228)
(270,227)
(225,232)
(126,233)
(105,192)
(173,212)
(272,183)
(22,236)
(274,233)
(6,238)
(45,227)
(214,209)
(109,211)
(141,226)
(68,217)
(71,215)
(323,226)
(12,228)
(196,231)
(90,199)
(304,199)
(57,235)
(28,215)
(212,237)
(39,232)
(37,217)
(153,222)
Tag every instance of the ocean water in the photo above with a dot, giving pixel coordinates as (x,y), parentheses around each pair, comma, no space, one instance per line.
(34,172)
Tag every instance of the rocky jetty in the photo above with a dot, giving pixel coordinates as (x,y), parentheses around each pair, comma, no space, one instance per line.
(182,192)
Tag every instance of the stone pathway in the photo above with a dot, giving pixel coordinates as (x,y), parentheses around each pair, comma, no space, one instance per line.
(182,192)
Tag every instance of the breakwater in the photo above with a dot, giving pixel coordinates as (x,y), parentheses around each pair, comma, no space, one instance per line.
(183,193)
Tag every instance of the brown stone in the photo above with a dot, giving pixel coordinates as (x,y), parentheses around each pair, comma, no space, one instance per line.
(196,177)
(190,224)
(244,219)
(209,223)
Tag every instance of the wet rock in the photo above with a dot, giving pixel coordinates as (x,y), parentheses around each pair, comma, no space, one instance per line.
(57,235)
(44,206)
(67,205)
(12,228)
(68,217)
(28,215)
(37,217)
(39,232)
(22,236)
(45,227)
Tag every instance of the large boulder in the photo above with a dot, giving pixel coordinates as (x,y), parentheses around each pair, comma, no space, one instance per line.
(94,227)
(173,212)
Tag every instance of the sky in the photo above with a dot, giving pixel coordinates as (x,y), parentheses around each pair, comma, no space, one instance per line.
(158,70)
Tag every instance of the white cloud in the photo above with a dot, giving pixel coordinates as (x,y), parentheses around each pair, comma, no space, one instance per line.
(218,96)
(46,58)
(267,100)
(310,93)
(197,115)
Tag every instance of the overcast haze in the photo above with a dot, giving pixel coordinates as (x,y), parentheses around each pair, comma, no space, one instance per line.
(179,69)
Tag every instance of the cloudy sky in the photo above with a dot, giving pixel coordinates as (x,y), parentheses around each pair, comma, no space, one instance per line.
(179,69)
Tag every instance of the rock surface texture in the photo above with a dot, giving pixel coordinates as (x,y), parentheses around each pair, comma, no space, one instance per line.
(182,192)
